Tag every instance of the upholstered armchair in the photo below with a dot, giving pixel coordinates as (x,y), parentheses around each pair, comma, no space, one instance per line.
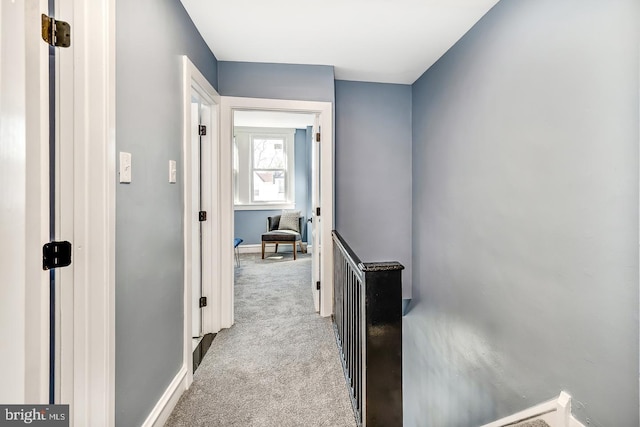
(284,229)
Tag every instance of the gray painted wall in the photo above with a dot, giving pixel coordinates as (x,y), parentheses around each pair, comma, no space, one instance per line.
(249,225)
(149,265)
(525,218)
(276,81)
(373,171)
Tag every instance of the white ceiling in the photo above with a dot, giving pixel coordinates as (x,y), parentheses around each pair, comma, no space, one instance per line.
(389,41)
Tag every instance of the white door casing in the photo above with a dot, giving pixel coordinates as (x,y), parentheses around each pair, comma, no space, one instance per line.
(326,149)
(85,80)
(211,246)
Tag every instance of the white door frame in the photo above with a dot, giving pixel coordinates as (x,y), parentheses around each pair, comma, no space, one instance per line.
(325,110)
(87,121)
(24,217)
(86,131)
(212,247)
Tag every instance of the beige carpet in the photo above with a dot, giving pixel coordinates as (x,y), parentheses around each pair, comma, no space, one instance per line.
(278,365)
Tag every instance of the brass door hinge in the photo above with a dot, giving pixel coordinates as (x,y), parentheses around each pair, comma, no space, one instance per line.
(56,33)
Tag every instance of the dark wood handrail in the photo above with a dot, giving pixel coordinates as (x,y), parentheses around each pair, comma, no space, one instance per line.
(367,319)
(346,248)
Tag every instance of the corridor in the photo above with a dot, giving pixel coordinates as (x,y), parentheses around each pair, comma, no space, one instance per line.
(278,365)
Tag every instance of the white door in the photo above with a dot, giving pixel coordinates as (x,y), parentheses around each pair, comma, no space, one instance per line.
(202,132)
(196,225)
(316,220)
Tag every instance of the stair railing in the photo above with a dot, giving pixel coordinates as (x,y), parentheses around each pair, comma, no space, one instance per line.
(367,319)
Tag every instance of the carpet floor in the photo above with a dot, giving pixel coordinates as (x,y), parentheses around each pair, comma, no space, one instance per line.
(278,365)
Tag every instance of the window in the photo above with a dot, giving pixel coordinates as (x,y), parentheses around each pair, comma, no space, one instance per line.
(264,168)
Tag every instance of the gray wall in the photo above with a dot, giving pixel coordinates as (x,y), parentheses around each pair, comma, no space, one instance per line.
(373,171)
(149,265)
(276,81)
(249,225)
(525,218)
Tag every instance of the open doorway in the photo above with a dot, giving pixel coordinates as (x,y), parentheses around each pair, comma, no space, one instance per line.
(273,180)
(272,171)
(252,187)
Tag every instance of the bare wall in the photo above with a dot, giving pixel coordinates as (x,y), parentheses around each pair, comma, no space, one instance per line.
(525,218)
(276,81)
(373,171)
(149,229)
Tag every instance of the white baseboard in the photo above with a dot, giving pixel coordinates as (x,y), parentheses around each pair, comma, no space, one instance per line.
(250,249)
(556,412)
(256,248)
(168,401)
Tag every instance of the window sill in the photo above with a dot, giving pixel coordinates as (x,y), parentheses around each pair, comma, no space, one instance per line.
(264,207)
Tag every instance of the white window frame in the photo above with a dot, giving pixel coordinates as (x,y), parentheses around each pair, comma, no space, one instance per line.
(244,191)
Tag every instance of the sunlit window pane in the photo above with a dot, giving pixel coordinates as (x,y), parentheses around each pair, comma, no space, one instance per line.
(268,154)
(269,186)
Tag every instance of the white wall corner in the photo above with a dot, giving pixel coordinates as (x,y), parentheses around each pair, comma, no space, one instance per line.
(555,412)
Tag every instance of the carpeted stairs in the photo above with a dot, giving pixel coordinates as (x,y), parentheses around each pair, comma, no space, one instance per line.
(278,365)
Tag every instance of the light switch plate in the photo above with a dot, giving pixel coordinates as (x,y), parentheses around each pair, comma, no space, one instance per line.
(172,172)
(125,167)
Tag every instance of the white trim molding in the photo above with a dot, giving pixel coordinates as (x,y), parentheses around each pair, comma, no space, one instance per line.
(325,112)
(86,126)
(265,207)
(555,412)
(161,412)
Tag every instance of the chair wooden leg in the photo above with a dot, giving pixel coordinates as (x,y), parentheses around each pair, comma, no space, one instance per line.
(294,251)
(276,248)
(262,250)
